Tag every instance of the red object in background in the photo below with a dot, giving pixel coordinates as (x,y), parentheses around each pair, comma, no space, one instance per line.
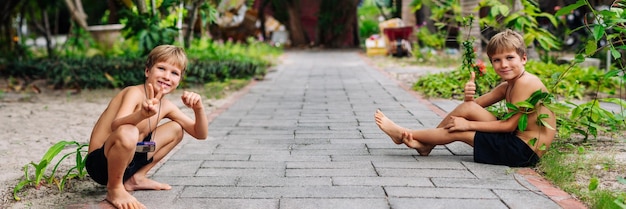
(398,33)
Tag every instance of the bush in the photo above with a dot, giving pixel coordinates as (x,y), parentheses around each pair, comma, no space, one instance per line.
(209,61)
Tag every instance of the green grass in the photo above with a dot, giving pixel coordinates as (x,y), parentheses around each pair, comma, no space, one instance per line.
(217,90)
(573,168)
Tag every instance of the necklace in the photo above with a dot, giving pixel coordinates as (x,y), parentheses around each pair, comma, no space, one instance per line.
(509,90)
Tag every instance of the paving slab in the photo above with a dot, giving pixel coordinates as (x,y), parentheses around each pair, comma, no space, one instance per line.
(305,137)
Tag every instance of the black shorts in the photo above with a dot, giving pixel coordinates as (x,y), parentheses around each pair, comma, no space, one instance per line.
(503,149)
(96,164)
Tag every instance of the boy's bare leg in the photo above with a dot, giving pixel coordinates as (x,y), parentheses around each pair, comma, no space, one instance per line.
(119,151)
(421,148)
(167,137)
(392,129)
(399,134)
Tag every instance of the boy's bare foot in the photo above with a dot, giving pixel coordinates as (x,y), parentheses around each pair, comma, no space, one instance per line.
(120,198)
(422,149)
(389,127)
(142,183)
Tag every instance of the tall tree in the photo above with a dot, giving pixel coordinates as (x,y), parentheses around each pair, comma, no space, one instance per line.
(296,31)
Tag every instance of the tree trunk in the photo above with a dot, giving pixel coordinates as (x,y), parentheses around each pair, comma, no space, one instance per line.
(296,31)
(193,14)
(408,18)
(77,13)
(141,6)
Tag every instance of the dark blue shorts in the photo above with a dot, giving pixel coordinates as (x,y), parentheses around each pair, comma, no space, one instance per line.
(503,149)
(97,165)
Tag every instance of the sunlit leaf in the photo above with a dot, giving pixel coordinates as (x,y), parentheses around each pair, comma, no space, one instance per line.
(511,106)
(525,104)
(591,47)
(598,32)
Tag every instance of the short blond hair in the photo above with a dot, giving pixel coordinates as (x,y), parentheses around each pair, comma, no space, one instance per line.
(171,54)
(506,41)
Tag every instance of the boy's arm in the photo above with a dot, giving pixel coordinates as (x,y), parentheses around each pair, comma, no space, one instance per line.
(523,90)
(199,128)
(126,113)
(490,98)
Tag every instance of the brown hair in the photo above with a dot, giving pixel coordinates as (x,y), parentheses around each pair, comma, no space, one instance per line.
(505,41)
(167,53)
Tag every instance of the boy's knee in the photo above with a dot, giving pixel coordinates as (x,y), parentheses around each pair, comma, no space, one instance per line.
(178,131)
(127,136)
(470,105)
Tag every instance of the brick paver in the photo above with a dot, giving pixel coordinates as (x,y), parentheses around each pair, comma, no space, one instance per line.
(305,137)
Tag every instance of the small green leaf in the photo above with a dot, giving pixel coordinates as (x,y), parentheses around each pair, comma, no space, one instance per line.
(525,104)
(546,124)
(508,115)
(523,122)
(532,142)
(567,9)
(511,106)
(598,32)
(611,73)
(591,47)
(579,58)
(616,53)
(593,184)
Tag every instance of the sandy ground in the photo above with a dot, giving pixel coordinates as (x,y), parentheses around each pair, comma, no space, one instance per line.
(31,123)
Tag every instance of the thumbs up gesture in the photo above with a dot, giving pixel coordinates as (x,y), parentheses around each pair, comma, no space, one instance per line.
(470,88)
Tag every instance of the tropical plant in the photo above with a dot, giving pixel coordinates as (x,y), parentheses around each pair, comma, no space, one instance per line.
(78,170)
(500,17)
(150,29)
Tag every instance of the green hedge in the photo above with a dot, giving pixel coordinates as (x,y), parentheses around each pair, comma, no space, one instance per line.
(101,72)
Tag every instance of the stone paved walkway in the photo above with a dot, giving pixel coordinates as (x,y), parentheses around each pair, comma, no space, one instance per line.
(305,137)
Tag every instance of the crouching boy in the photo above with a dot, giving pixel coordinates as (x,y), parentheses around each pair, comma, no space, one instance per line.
(127,140)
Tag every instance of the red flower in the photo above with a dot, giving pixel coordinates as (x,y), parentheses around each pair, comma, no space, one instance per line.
(481,66)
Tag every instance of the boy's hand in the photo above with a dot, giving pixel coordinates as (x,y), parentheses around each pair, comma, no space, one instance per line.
(149,106)
(457,124)
(192,100)
(470,88)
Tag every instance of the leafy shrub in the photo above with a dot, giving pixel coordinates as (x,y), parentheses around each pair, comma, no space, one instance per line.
(575,84)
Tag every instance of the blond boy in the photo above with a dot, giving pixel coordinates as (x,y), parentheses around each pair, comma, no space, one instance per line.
(494,141)
(132,117)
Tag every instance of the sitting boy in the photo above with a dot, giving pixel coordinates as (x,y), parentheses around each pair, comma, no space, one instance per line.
(133,116)
(494,141)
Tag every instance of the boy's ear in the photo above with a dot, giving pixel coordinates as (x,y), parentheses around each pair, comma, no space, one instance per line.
(147,71)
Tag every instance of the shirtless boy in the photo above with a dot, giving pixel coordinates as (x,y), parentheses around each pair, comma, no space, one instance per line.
(494,141)
(133,116)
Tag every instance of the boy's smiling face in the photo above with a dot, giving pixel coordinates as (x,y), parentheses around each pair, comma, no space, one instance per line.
(164,75)
(508,64)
